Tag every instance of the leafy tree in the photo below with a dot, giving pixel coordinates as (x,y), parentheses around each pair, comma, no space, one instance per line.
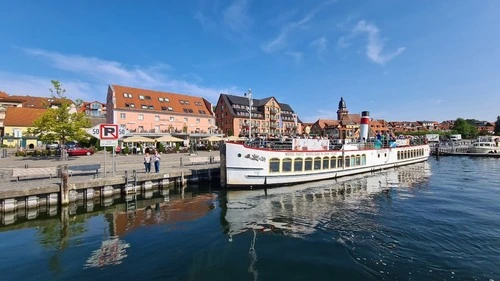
(464,128)
(59,123)
(497,126)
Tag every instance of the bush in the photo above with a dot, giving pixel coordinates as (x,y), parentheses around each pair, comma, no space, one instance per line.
(126,150)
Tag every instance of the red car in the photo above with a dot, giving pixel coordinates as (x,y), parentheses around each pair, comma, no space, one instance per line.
(77,151)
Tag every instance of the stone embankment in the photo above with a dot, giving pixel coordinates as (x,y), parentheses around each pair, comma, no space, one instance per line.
(121,174)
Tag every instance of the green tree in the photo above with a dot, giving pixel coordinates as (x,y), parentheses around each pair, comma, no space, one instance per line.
(464,128)
(60,124)
(497,126)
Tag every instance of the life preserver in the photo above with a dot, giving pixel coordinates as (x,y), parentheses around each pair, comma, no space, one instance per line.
(425,141)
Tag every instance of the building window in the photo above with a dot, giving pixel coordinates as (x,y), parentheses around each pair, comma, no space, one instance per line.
(186,119)
(170,109)
(127,95)
(185,110)
(167,100)
(163,108)
(157,118)
(141,97)
(123,116)
(172,119)
(151,107)
(144,106)
(161,99)
(148,97)
(198,103)
(140,117)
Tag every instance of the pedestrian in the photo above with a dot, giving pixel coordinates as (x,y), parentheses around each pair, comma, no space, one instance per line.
(147,162)
(157,158)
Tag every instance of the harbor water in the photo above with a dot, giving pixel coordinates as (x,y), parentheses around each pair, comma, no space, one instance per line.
(438,220)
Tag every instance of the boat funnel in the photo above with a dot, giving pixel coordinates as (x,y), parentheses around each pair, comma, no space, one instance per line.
(365,121)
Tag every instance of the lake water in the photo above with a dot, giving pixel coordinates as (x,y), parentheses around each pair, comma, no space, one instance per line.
(438,220)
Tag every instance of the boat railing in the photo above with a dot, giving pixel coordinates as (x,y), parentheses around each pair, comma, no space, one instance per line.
(287,144)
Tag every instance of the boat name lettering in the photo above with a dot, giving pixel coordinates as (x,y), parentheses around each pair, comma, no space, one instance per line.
(255,157)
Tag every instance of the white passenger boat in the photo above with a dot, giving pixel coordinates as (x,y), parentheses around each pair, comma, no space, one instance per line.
(310,160)
(485,144)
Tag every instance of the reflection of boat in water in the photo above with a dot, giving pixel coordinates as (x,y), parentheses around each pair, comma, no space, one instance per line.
(298,210)
(485,144)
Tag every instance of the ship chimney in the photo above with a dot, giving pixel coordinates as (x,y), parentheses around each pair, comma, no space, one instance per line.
(365,121)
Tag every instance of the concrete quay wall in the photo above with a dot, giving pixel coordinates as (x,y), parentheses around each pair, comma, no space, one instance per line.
(125,175)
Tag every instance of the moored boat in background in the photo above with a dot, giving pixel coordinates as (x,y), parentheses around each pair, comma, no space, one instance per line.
(485,144)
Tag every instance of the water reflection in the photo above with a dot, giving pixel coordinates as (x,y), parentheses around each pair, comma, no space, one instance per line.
(303,209)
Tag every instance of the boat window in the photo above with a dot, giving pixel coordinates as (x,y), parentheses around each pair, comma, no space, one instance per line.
(274,165)
(399,155)
(308,164)
(333,162)
(363,159)
(326,163)
(286,166)
(298,164)
(340,162)
(358,160)
(317,163)
(347,161)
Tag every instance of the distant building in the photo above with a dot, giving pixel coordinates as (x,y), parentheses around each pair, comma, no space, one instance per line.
(95,111)
(269,117)
(7,101)
(150,111)
(16,124)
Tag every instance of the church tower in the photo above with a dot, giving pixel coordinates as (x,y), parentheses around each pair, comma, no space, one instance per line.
(342,109)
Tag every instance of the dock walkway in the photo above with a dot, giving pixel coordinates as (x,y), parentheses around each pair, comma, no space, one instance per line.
(171,164)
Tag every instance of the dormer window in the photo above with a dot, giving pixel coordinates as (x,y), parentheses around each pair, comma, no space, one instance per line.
(127,95)
(170,109)
(161,99)
(141,97)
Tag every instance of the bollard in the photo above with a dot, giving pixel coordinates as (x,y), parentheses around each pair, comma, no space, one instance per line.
(180,160)
(64,184)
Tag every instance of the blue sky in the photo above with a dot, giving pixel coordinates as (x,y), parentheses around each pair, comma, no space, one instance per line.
(400,60)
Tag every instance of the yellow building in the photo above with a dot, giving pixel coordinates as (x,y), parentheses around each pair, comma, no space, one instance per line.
(16,124)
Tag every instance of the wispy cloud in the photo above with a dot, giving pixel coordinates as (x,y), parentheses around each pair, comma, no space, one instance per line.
(320,45)
(236,16)
(280,41)
(321,114)
(375,45)
(297,56)
(94,74)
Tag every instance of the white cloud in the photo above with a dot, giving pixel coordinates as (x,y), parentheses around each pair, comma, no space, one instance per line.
(375,45)
(297,56)
(236,16)
(320,45)
(280,41)
(88,77)
(20,84)
(320,114)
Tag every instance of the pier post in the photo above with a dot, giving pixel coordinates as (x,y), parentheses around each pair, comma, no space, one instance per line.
(64,184)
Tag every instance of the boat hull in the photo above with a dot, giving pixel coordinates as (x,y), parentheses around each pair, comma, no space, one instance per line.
(243,166)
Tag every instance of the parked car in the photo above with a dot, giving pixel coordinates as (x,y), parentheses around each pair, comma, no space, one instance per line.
(77,151)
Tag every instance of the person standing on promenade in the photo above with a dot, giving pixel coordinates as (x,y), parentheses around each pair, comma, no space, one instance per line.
(147,162)
(157,158)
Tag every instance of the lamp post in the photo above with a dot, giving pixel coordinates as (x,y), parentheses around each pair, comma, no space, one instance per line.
(250,104)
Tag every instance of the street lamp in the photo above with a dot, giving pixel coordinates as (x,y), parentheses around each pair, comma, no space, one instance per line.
(250,104)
